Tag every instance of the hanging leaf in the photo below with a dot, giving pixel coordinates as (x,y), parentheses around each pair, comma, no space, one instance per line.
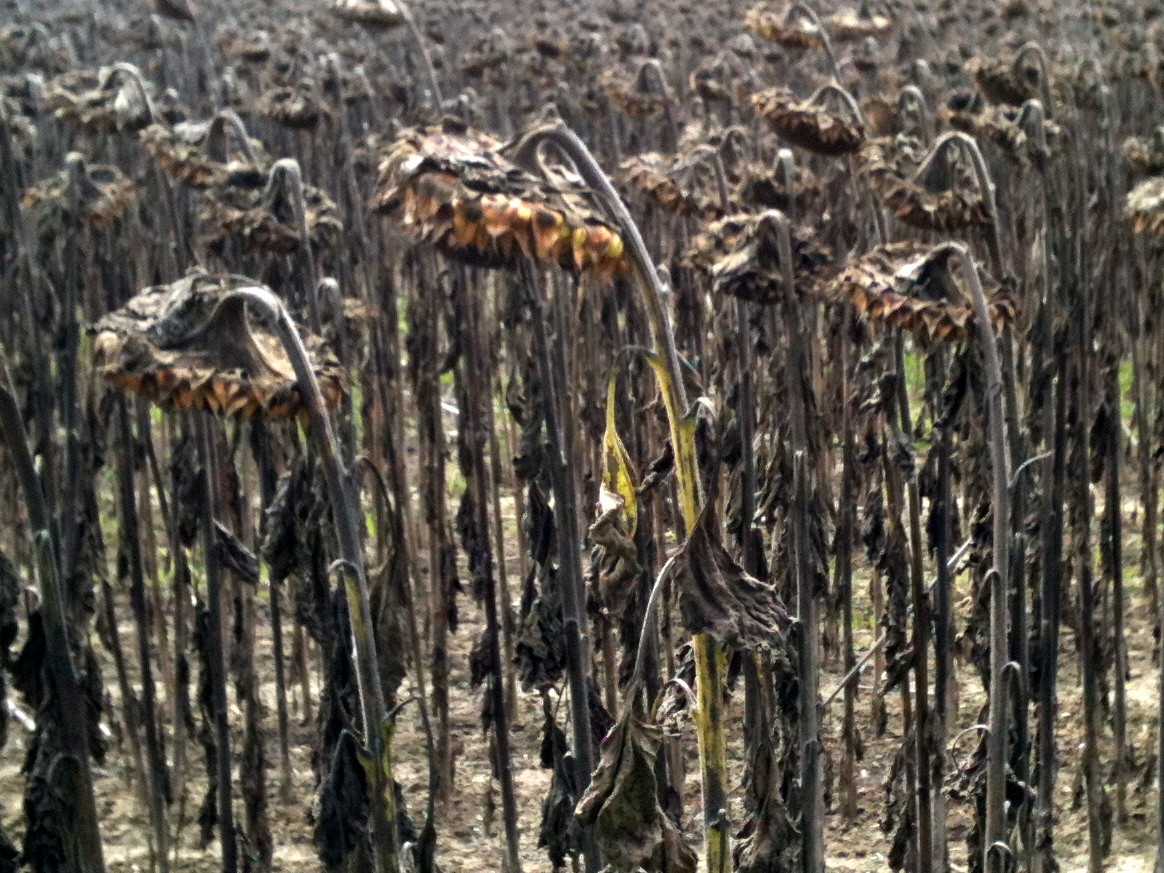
(343,804)
(622,806)
(717,597)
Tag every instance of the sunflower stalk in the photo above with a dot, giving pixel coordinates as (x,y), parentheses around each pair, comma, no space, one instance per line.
(84,851)
(995,835)
(710,657)
(377,727)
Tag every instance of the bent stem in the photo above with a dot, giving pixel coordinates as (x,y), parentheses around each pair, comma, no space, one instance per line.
(710,657)
(377,728)
(1000,473)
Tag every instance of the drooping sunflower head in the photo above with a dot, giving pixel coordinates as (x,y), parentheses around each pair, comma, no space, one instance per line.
(457,189)
(910,285)
(191,345)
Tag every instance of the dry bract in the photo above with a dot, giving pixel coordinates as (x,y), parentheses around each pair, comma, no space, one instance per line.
(909,285)
(912,200)
(106,194)
(805,124)
(455,188)
(189,345)
(741,254)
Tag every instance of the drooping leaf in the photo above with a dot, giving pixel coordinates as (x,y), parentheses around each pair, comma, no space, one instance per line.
(717,596)
(622,806)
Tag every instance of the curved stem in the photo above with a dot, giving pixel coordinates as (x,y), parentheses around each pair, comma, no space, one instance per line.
(999,462)
(287,178)
(377,729)
(806,11)
(956,139)
(655,69)
(216,141)
(710,657)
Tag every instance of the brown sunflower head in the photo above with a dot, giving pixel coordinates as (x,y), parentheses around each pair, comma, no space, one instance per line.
(637,90)
(104,195)
(298,106)
(664,181)
(850,25)
(105,102)
(196,153)
(937,200)
(1145,207)
(910,285)
(779,24)
(258,209)
(192,345)
(372,14)
(456,188)
(1008,127)
(1012,81)
(741,255)
(808,124)
(1145,154)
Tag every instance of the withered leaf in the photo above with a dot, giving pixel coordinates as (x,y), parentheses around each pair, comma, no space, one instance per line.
(718,597)
(622,805)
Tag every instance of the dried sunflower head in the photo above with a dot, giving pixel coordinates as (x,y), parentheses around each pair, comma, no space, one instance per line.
(1005,126)
(1145,206)
(776,24)
(247,206)
(856,24)
(105,196)
(807,124)
(455,188)
(190,345)
(298,106)
(663,180)
(1145,154)
(373,14)
(910,285)
(105,102)
(185,151)
(935,201)
(741,254)
(635,92)
(1013,81)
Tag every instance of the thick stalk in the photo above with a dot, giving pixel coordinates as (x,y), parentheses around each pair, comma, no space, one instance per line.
(1049,610)
(473,394)
(921,625)
(1000,510)
(1113,508)
(216,654)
